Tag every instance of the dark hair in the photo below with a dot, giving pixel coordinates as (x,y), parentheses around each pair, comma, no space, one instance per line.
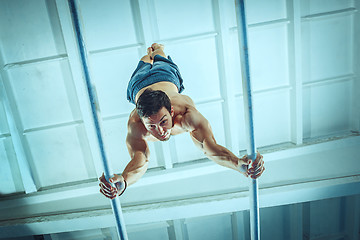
(151,101)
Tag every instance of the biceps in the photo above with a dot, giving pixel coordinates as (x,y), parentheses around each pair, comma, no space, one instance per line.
(202,131)
(137,147)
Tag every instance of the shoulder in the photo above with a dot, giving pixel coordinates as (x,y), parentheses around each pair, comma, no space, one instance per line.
(198,126)
(136,128)
(179,99)
(193,119)
(186,113)
(135,139)
(183,99)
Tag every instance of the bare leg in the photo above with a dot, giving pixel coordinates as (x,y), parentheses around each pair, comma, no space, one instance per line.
(158,49)
(147,58)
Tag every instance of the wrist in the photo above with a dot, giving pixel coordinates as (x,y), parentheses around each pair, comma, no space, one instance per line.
(125,183)
(121,185)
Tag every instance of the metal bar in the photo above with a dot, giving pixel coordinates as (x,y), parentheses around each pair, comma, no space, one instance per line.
(115,203)
(248,109)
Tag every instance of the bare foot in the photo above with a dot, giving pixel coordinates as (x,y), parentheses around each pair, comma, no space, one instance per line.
(157,49)
(149,53)
(156,46)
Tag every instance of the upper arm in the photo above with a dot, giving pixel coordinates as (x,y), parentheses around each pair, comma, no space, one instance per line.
(135,139)
(201,132)
(203,137)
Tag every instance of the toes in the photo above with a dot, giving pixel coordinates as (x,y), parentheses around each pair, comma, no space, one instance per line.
(149,50)
(156,46)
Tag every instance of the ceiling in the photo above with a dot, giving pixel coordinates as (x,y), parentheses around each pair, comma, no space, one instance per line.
(305,74)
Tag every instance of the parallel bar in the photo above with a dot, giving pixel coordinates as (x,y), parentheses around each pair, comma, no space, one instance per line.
(115,203)
(245,72)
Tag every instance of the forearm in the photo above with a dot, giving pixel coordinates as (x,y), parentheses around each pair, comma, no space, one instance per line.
(136,168)
(221,155)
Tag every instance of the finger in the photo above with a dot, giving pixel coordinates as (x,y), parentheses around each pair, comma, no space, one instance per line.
(106,189)
(262,164)
(102,177)
(107,195)
(103,193)
(255,176)
(259,166)
(257,170)
(258,162)
(259,174)
(115,178)
(111,195)
(246,160)
(252,173)
(257,159)
(106,183)
(103,180)
(255,162)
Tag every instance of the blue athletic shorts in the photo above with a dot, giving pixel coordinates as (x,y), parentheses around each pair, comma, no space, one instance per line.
(162,70)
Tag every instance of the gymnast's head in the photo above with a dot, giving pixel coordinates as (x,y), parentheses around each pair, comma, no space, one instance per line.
(155,111)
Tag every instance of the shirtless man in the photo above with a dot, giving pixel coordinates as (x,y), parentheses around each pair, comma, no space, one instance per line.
(161,111)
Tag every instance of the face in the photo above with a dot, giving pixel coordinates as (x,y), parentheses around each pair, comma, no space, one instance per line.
(160,124)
